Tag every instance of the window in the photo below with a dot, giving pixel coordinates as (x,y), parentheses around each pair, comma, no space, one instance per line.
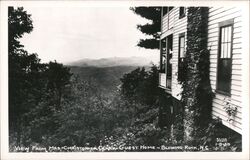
(166,47)
(169,59)
(225,58)
(181,52)
(182,12)
(163,55)
(166,10)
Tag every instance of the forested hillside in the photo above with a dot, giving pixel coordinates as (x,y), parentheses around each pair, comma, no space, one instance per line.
(107,79)
(54,105)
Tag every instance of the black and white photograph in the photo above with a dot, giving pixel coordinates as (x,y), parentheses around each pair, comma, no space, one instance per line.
(107,77)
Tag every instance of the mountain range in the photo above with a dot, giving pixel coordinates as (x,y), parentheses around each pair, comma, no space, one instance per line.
(106,72)
(112,62)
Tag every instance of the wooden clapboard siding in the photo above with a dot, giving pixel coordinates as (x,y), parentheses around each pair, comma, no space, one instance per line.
(168,21)
(217,15)
(226,123)
(177,26)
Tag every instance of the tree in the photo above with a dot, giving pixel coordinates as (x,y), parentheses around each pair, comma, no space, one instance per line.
(139,101)
(24,70)
(43,119)
(152,29)
(35,89)
(58,77)
(131,84)
(19,23)
(141,86)
(141,90)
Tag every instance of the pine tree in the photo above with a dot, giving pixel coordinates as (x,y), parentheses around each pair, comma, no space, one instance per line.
(151,29)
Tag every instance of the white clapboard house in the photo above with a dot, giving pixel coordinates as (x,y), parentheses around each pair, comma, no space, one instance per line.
(225,44)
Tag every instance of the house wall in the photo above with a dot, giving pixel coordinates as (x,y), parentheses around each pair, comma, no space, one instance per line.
(217,15)
(175,27)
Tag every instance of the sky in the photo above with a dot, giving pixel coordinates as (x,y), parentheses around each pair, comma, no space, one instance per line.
(68,34)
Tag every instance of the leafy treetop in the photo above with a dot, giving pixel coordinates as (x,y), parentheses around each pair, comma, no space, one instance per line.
(19,22)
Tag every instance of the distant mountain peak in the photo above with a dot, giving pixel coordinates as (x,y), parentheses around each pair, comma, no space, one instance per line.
(112,61)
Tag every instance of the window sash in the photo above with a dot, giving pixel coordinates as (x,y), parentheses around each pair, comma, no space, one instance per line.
(163,55)
(224,75)
(225,59)
(181,53)
(181,47)
(225,41)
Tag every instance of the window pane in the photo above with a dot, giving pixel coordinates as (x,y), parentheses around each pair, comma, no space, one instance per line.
(224,75)
(182,47)
(229,51)
(165,10)
(226,34)
(163,54)
(225,50)
(181,52)
(229,33)
(182,12)
(222,51)
(182,42)
(222,35)
(163,63)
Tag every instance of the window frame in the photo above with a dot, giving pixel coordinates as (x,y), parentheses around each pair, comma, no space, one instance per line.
(166,10)
(184,12)
(181,35)
(163,44)
(224,24)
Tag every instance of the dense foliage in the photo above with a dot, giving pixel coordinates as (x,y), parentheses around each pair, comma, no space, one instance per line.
(197,93)
(24,69)
(36,89)
(140,94)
